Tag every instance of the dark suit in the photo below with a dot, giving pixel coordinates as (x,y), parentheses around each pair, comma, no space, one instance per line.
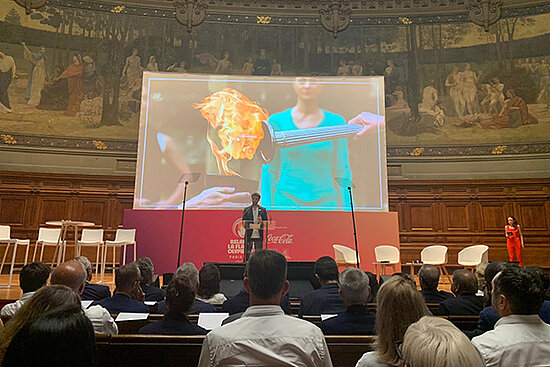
(198,307)
(95,292)
(173,325)
(357,320)
(241,301)
(324,300)
(465,304)
(153,293)
(122,303)
(435,296)
(248,215)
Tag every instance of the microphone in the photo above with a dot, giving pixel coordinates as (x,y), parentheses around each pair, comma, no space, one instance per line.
(349,188)
(186,183)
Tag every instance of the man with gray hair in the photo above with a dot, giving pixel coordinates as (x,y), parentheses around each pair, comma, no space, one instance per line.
(189,271)
(147,270)
(357,319)
(92,292)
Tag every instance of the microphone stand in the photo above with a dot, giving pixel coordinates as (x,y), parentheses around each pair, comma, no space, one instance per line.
(354,227)
(181,227)
(266,231)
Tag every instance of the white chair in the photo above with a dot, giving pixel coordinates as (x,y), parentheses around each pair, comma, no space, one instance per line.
(50,237)
(5,233)
(91,238)
(472,256)
(386,255)
(344,256)
(123,239)
(436,255)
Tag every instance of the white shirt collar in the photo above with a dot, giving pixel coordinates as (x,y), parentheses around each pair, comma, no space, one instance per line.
(265,310)
(519,319)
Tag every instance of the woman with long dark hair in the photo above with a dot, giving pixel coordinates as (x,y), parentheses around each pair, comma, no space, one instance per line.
(514,240)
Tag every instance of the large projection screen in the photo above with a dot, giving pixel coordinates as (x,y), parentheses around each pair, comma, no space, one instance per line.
(298,141)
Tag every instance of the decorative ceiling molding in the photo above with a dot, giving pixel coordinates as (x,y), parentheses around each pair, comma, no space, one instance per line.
(29,5)
(190,13)
(335,16)
(484,13)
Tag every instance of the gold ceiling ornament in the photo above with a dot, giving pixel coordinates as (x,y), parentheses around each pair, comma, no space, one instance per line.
(190,13)
(335,16)
(31,4)
(484,13)
(263,19)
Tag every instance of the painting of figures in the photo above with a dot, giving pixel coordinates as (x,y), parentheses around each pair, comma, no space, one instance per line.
(67,72)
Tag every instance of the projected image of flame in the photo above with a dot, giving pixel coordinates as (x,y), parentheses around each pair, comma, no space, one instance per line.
(238,122)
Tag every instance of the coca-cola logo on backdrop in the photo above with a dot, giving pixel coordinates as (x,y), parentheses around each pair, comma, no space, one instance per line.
(283,239)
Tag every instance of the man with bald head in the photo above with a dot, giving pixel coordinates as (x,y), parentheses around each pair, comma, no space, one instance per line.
(73,275)
(428,275)
(464,287)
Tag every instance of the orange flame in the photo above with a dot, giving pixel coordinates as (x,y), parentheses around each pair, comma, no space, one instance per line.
(238,121)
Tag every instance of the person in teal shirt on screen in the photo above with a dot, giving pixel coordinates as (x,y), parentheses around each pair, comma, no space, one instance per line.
(303,177)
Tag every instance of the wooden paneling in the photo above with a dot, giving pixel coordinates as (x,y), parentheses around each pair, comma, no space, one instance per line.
(455,213)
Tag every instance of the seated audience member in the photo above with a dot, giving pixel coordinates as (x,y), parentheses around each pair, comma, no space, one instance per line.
(374,287)
(44,300)
(324,300)
(264,335)
(189,271)
(128,295)
(520,337)
(466,302)
(399,304)
(436,342)
(180,296)
(480,276)
(209,285)
(31,278)
(428,276)
(147,270)
(357,320)
(62,337)
(73,275)
(92,292)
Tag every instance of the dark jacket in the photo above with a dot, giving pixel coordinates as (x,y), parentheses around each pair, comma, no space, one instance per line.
(324,300)
(173,325)
(357,320)
(435,296)
(241,301)
(153,293)
(465,304)
(198,307)
(95,292)
(122,303)
(248,215)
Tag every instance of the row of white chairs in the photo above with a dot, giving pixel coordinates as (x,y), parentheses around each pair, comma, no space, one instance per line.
(52,237)
(436,255)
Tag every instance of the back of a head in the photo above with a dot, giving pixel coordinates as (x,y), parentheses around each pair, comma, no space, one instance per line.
(71,274)
(399,304)
(180,296)
(87,265)
(374,286)
(266,271)
(62,337)
(436,342)
(126,276)
(480,275)
(466,280)
(33,276)
(326,268)
(492,269)
(146,269)
(523,287)
(428,276)
(354,285)
(190,272)
(209,281)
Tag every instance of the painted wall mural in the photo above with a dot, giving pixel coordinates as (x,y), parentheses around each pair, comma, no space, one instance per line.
(71,77)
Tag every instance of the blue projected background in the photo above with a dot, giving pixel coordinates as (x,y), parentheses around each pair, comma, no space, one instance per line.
(294,140)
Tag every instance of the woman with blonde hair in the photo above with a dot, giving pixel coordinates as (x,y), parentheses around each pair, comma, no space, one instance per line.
(44,300)
(436,342)
(399,304)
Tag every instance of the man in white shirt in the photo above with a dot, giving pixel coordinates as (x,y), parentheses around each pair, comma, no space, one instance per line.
(73,275)
(264,335)
(31,278)
(520,337)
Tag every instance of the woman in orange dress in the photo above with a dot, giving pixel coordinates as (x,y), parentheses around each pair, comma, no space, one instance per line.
(73,74)
(514,240)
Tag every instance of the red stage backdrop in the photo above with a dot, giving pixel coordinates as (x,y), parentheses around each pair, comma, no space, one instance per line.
(218,236)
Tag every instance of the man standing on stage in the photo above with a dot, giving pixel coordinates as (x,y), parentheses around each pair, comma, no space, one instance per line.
(254,214)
